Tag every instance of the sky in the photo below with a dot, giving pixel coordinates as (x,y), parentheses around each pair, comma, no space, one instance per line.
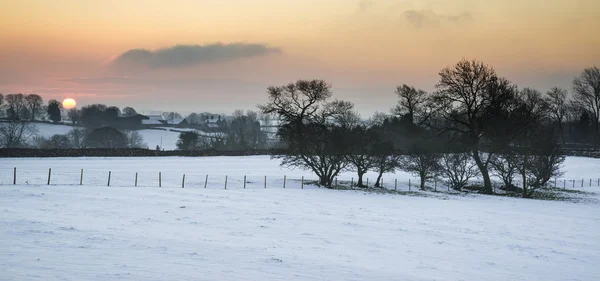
(217,56)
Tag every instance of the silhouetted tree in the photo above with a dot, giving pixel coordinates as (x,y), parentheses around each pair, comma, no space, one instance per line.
(16,107)
(34,104)
(129,111)
(556,99)
(54,110)
(74,114)
(311,131)
(586,91)
(470,98)
(411,104)
(188,141)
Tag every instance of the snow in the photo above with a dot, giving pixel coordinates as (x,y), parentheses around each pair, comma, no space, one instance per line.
(152,137)
(95,232)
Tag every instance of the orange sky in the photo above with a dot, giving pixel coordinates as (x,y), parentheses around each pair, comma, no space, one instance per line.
(364,48)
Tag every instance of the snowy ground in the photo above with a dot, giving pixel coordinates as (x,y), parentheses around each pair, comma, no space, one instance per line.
(152,138)
(94,232)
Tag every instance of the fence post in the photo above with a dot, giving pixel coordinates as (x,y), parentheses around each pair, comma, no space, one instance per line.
(15,176)
(554,182)
(49,172)
(396,184)
(302,186)
(159,179)
(136,179)
(581,182)
(590,182)
(284,181)
(352,182)
(244,181)
(336,182)
(367,182)
(381,183)
(408,184)
(435,185)
(265,181)
(81,178)
(183,182)
(564,184)
(225,181)
(573,183)
(108,184)
(205,181)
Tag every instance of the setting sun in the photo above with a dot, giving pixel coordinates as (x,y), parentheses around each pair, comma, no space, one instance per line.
(69,103)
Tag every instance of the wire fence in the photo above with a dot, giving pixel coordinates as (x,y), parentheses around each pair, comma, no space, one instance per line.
(171,179)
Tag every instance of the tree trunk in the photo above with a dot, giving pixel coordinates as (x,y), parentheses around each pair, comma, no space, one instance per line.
(377,183)
(422,182)
(323,180)
(360,178)
(487,183)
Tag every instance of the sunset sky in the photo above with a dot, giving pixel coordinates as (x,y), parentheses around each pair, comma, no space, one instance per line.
(216,56)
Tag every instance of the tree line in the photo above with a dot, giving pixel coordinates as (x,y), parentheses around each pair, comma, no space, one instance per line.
(475,124)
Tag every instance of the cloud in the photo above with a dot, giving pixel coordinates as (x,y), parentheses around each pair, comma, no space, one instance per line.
(427,18)
(190,55)
(365,5)
(100,80)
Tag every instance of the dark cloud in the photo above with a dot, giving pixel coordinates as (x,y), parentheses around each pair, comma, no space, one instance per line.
(427,18)
(189,55)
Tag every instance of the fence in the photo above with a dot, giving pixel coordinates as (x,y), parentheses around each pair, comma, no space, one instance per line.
(94,177)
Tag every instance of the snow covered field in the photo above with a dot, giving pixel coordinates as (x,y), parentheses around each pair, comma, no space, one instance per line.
(152,138)
(94,232)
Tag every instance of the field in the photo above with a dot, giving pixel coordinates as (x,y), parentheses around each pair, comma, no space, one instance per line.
(121,232)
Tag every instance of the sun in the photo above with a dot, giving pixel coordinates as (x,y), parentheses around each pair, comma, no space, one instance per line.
(69,103)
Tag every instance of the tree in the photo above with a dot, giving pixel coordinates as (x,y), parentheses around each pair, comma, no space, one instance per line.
(77,138)
(74,114)
(1,105)
(311,129)
(472,100)
(171,116)
(16,133)
(506,166)
(556,99)
(16,107)
(58,142)
(34,103)
(194,118)
(106,137)
(54,110)
(188,141)
(545,160)
(129,111)
(360,157)
(411,104)
(111,113)
(458,168)
(135,140)
(421,161)
(586,91)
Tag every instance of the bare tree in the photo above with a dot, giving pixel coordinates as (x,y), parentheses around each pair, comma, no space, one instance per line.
(458,168)
(422,162)
(35,104)
(411,104)
(506,166)
(556,99)
(74,115)
(544,161)
(470,96)
(16,107)
(135,140)
(16,133)
(586,90)
(360,156)
(312,132)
